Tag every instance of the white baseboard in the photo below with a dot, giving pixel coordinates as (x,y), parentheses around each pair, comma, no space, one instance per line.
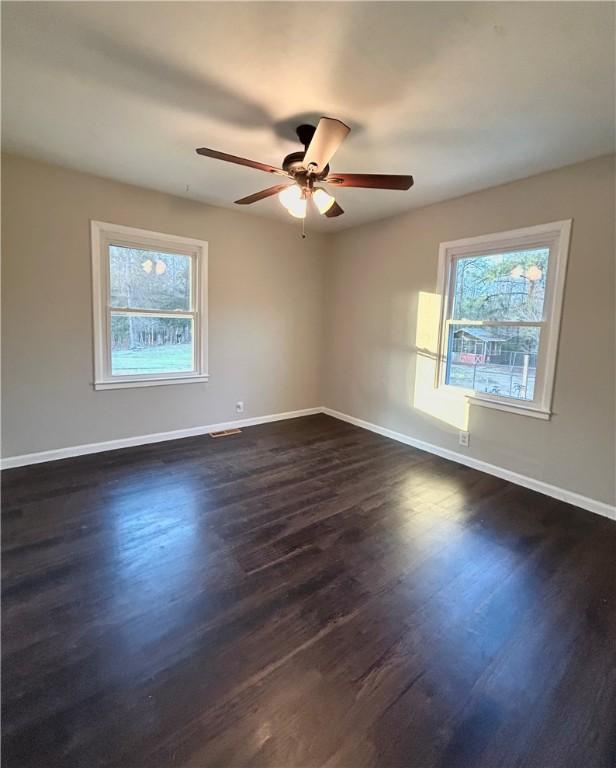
(157,437)
(592,505)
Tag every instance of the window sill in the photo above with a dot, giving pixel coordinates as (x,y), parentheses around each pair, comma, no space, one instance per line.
(132,383)
(509,407)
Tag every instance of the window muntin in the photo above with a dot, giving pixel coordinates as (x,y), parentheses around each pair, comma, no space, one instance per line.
(492,291)
(150,300)
(502,298)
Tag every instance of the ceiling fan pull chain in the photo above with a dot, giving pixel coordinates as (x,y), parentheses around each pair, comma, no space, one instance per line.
(304,235)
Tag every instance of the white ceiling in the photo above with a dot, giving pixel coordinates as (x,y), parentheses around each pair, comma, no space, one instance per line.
(462,95)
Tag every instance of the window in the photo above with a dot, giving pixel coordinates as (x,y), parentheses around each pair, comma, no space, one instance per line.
(150,307)
(502,298)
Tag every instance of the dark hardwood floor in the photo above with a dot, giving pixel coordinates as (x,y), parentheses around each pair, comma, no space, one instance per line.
(303,594)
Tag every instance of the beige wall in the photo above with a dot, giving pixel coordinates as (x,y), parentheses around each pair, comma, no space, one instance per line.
(377,286)
(265,312)
(296,324)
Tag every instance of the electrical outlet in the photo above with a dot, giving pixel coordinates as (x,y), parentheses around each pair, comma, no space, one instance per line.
(464,438)
(239,406)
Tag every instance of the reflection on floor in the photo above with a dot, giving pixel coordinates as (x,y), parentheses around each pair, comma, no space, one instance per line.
(305,593)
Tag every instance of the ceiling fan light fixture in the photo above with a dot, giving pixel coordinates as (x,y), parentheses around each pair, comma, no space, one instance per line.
(322,200)
(298,209)
(301,170)
(292,198)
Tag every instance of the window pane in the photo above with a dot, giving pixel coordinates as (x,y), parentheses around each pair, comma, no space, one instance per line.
(503,286)
(142,279)
(499,361)
(150,344)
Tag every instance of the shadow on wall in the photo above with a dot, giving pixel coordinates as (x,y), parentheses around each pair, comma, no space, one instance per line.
(446,405)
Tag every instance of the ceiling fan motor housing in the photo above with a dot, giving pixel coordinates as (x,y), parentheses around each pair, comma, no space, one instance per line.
(294,163)
(320,144)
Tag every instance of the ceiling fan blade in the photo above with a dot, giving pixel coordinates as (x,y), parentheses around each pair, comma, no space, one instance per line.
(261,195)
(239,160)
(328,136)
(370,180)
(335,210)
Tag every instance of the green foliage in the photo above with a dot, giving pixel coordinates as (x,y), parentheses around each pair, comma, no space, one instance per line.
(141,279)
(500,286)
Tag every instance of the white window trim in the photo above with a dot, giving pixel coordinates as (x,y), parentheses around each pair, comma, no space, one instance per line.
(555,235)
(102,234)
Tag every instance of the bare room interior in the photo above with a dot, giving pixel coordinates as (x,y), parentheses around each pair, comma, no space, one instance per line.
(308,438)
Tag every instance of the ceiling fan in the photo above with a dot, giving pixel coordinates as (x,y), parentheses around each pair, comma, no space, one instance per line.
(305,170)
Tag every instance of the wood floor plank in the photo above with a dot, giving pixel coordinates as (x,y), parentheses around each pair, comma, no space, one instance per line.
(302,594)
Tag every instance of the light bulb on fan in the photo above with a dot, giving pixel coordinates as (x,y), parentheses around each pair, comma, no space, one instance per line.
(322,200)
(294,201)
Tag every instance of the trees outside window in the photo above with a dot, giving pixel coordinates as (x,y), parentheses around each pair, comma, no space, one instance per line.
(502,297)
(150,307)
